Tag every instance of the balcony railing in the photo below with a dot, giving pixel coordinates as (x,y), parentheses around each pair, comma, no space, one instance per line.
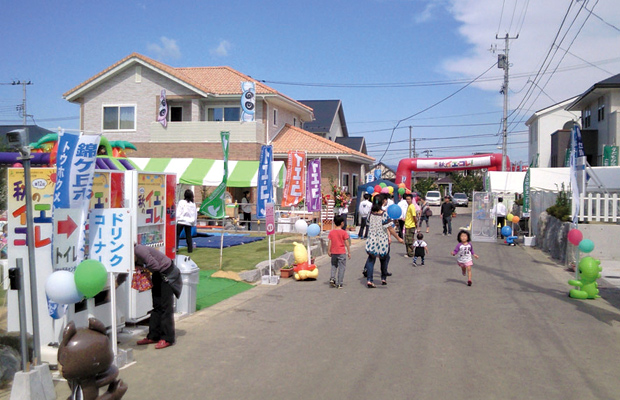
(206,131)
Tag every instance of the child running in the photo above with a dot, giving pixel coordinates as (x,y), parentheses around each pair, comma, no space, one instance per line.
(420,249)
(465,251)
(338,248)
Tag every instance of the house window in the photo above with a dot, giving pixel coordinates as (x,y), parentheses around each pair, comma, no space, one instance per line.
(355,183)
(176,114)
(601,108)
(224,114)
(294,121)
(345,182)
(275,117)
(586,118)
(119,118)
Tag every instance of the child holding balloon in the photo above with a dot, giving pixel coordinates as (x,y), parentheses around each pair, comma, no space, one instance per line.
(464,250)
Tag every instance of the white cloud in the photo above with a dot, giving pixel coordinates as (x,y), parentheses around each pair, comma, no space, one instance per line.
(222,49)
(480,22)
(168,49)
(425,15)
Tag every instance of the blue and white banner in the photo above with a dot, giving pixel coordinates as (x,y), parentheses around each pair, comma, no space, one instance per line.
(248,101)
(75,167)
(265,180)
(577,170)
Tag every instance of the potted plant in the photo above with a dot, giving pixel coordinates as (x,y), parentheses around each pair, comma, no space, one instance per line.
(286,272)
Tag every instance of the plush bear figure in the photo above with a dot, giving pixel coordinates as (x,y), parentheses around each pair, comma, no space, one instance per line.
(85,358)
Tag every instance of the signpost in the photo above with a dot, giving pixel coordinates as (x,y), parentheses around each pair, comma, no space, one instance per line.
(270,229)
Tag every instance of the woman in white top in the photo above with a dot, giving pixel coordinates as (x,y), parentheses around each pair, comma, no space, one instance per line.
(186,218)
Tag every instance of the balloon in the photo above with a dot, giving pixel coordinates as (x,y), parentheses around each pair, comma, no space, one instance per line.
(313,230)
(377,174)
(385,190)
(575,236)
(390,189)
(516,219)
(382,184)
(17,165)
(394,211)
(402,185)
(407,191)
(90,277)
(506,231)
(401,191)
(60,288)
(509,217)
(301,226)
(378,188)
(586,245)
(370,189)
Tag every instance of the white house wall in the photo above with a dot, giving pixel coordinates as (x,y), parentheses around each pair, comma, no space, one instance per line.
(545,125)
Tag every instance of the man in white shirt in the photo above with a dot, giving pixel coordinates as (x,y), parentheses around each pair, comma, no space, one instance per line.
(401,221)
(246,208)
(364,212)
(500,213)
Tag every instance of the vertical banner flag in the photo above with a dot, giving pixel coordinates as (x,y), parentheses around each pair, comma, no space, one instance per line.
(294,188)
(265,180)
(610,156)
(75,167)
(576,163)
(248,101)
(313,186)
(214,205)
(163,109)
(526,192)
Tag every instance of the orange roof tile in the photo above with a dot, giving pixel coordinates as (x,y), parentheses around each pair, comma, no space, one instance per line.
(216,80)
(290,137)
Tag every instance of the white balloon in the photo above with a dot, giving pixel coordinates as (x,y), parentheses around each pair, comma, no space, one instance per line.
(60,288)
(301,226)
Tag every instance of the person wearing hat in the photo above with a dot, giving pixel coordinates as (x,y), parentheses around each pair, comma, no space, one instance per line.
(447,208)
(166,283)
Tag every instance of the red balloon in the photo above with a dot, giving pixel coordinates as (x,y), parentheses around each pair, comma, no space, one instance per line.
(378,188)
(575,236)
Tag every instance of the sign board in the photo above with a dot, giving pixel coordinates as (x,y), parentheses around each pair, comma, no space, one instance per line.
(270,221)
(110,238)
(66,234)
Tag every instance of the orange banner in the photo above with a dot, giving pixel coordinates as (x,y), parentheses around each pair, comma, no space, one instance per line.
(295,186)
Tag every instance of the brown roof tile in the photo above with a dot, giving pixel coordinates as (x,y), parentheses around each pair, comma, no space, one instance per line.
(290,138)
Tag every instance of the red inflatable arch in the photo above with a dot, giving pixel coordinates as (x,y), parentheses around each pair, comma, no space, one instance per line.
(492,162)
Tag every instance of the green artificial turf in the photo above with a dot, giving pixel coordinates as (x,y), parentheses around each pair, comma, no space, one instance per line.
(211,291)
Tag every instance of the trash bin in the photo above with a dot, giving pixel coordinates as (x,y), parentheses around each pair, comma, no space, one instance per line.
(186,303)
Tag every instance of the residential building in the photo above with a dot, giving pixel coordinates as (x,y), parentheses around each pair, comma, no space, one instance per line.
(329,121)
(600,122)
(542,125)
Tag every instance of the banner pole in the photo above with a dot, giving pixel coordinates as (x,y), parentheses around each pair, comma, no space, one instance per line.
(113,315)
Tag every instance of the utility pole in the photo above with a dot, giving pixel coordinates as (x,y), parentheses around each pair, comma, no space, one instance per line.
(23,106)
(503,63)
(410,141)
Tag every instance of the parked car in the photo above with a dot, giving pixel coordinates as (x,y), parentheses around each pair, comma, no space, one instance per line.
(460,199)
(433,197)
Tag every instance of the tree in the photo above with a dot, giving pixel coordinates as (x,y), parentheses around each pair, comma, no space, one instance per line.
(466,184)
(424,185)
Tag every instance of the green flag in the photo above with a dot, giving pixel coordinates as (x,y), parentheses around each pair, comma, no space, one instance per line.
(526,191)
(610,156)
(214,205)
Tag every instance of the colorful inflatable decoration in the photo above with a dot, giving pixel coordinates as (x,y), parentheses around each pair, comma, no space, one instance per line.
(589,272)
(87,362)
(506,231)
(303,270)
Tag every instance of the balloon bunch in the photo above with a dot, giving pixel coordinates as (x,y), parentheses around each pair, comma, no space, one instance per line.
(589,268)
(513,218)
(64,287)
(383,188)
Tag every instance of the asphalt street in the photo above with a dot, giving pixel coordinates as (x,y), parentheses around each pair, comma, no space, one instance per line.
(514,334)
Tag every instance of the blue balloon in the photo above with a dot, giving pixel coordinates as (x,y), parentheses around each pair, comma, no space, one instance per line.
(313,230)
(377,174)
(394,211)
(506,231)
(370,189)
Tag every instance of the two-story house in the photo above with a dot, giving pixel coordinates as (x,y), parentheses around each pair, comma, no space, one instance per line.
(599,106)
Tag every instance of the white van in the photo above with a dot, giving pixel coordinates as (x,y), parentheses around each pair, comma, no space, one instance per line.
(433,197)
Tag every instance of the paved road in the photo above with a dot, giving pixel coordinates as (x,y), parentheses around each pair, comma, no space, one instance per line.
(426,335)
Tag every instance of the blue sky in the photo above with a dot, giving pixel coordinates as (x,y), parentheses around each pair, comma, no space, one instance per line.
(419,51)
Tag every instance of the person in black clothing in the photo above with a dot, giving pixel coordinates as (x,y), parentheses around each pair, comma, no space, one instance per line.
(447,208)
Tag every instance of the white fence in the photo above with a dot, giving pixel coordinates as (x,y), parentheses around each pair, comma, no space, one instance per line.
(600,208)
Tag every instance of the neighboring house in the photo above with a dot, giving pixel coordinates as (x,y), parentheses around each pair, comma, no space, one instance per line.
(122,102)
(329,121)
(388,173)
(357,143)
(542,125)
(345,166)
(600,122)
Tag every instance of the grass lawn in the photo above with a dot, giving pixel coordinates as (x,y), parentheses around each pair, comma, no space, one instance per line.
(242,257)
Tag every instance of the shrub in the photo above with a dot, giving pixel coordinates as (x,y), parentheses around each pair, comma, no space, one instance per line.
(562,207)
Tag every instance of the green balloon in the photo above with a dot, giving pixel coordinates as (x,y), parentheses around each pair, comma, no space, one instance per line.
(90,277)
(382,184)
(586,245)
(401,191)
